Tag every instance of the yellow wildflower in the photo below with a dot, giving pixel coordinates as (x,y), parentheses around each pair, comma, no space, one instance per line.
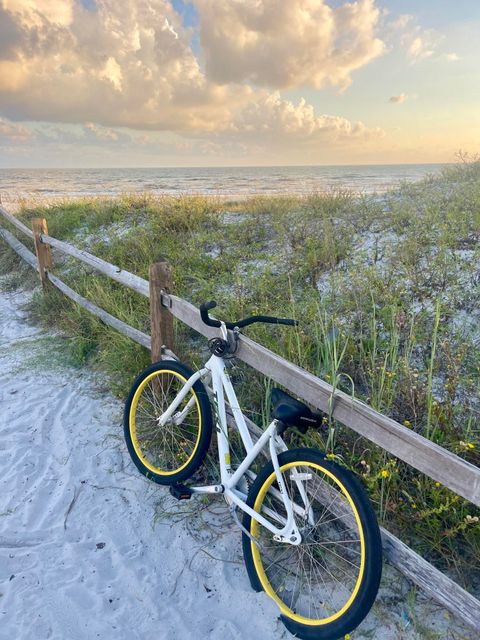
(385,473)
(407,423)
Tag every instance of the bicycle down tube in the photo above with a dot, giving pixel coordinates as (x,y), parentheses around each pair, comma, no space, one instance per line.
(221,385)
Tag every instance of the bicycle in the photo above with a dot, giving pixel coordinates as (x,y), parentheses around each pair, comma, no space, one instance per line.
(310,537)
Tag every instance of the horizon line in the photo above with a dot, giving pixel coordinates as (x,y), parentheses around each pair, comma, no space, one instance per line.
(228,166)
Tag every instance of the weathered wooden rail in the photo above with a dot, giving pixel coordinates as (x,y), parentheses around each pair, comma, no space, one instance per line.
(443,466)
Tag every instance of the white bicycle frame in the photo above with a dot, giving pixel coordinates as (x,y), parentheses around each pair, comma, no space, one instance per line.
(214,372)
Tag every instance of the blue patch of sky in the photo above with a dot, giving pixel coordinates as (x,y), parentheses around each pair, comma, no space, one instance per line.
(190,19)
(434,13)
(430,13)
(91,5)
(187,11)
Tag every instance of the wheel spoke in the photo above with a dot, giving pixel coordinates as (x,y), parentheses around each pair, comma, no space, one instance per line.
(317,578)
(170,446)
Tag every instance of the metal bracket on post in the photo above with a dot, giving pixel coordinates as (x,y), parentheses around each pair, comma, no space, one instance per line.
(166,299)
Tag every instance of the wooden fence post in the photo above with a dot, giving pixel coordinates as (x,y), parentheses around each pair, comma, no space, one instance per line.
(44,254)
(161,320)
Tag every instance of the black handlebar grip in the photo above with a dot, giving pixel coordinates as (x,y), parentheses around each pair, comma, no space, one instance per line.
(288,322)
(204,309)
(266,320)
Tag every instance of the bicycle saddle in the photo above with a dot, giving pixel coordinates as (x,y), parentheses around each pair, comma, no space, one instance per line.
(293,413)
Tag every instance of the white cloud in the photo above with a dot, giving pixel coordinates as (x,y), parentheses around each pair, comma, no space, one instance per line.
(112,71)
(34,12)
(418,43)
(124,64)
(96,132)
(401,22)
(419,47)
(398,99)
(12,132)
(273,120)
(131,65)
(281,44)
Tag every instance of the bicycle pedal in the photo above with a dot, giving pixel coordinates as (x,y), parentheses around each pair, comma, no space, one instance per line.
(180,491)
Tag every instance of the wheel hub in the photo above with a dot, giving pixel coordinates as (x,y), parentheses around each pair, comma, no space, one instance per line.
(294,538)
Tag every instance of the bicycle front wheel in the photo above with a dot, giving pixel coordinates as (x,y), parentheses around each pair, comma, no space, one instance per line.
(170,453)
(326,585)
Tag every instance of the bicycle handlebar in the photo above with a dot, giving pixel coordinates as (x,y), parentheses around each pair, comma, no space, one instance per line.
(206,306)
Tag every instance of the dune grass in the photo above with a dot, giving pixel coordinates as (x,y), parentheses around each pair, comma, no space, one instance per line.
(386,289)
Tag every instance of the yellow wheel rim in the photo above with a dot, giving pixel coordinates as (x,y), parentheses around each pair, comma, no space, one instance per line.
(259,565)
(133,423)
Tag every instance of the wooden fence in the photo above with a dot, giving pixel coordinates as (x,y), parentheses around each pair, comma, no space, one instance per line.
(443,466)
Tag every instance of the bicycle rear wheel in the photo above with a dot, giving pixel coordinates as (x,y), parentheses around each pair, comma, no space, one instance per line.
(325,586)
(170,453)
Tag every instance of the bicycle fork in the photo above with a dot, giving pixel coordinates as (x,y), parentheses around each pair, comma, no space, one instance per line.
(293,536)
(288,531)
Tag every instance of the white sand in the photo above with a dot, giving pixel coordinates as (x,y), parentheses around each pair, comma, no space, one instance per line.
(86,548)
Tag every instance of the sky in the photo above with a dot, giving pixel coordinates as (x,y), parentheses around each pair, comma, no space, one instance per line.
(151,83)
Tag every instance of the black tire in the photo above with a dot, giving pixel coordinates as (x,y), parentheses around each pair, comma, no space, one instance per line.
(366,576)
(176,459)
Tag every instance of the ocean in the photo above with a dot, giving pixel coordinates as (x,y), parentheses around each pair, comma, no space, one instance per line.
(220,181)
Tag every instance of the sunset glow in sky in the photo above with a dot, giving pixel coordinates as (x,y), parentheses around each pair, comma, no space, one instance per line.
(237,82)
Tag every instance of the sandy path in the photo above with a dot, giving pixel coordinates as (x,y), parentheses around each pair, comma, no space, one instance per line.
(80,556)
(86,548)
